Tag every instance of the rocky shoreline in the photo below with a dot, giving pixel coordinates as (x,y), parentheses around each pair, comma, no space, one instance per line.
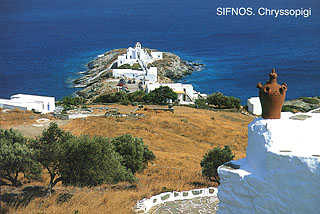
(96,80)
(302,104)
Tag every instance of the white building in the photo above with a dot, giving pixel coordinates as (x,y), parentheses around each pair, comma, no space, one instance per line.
(143,58)
(186,94)
(39,104)
(281,171)
(254,106)
(136,54)
(150,75)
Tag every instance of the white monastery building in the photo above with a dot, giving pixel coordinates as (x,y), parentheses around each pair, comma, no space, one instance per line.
(39,104)
(186,94)
(136,54)
(143,58)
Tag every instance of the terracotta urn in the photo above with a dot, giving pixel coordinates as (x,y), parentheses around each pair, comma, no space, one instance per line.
(272,96)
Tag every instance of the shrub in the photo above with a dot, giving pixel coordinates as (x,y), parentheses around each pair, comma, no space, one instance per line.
(222,101)
(161,96)
(137,96)
(112,98)
(201,103)
(213,159)
(92,161)
(125,66)
(70,102)
(16,157)
(135,66)
(135,155)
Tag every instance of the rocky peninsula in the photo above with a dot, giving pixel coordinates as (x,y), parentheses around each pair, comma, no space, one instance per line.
(98,78)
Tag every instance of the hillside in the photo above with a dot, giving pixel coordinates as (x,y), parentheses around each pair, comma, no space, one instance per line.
(179,141)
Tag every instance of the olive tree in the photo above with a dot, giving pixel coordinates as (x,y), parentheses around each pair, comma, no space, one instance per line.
(16,157)
(135,154)
(49,151)
(92,161)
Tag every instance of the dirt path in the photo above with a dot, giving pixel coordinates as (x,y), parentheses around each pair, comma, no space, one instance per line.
(33,130)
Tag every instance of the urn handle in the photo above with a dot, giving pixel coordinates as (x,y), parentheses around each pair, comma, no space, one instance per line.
(283,88)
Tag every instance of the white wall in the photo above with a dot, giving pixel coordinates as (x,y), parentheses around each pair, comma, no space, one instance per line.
(40,104)
(47,103)
(281,172)
(152,74)
(254,105)
(156,55)
(128,73)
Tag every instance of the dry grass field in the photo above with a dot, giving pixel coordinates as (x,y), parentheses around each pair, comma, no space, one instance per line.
(179,140)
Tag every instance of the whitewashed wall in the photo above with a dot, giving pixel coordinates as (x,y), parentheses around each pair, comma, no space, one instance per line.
(254,105)
(281,173)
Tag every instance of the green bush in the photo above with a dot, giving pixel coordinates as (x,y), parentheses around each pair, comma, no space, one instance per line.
(125,66)
(135,154)
(201,103)
(135,66)
(92,161)
(16,157)
(112,98)
(70,102)
(222,101)
(137,96)
(161,96)
(213,159)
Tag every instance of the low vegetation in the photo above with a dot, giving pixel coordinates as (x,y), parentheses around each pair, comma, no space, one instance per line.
(135,66)
(213,159)
(160,96)
(69,102)
(218,101)
(78,161)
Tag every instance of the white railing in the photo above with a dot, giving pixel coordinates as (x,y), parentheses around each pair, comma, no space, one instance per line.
(146,204)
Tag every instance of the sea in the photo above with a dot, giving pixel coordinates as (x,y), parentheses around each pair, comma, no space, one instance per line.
(45,44)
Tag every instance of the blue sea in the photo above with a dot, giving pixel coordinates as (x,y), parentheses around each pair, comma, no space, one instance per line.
(45,44)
